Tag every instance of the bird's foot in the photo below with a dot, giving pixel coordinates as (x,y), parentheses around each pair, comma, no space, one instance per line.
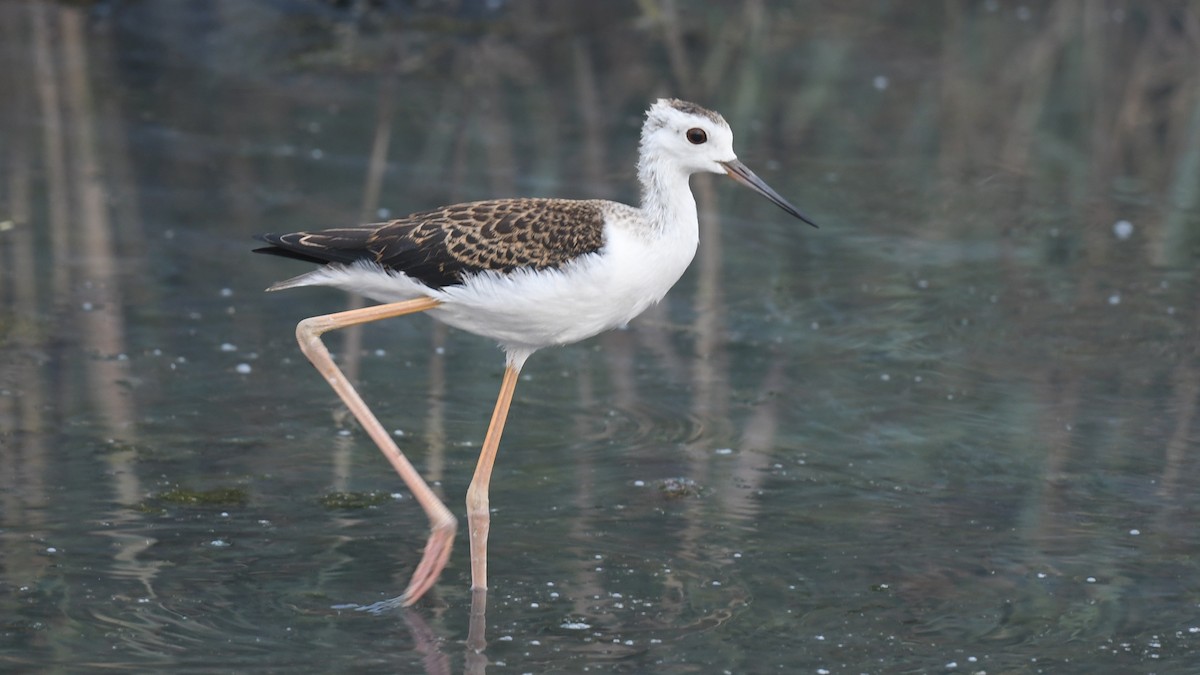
(433,561)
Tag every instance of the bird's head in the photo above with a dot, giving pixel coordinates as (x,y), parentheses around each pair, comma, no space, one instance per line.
(694,139)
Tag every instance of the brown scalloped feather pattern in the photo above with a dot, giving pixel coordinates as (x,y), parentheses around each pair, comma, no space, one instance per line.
(440,247)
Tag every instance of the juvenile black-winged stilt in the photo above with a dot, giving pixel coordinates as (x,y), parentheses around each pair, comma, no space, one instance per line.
(528,273)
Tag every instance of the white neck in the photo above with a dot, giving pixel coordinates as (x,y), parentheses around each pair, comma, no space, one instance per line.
(667,198)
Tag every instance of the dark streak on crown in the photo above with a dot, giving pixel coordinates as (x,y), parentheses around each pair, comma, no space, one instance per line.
(690,108)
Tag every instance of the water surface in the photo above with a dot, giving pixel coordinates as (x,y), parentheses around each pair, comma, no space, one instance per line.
(954,429)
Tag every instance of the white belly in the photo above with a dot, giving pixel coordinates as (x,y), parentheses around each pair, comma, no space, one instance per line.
(525,310)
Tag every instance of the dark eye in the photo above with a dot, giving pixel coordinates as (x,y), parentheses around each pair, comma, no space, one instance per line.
(696,136)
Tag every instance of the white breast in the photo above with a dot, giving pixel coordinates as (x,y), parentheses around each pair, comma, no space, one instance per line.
(527,310)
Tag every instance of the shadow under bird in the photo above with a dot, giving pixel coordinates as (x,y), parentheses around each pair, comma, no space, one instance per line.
(528,273)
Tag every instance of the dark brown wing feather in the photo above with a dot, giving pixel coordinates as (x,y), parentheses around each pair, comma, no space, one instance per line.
(441,247)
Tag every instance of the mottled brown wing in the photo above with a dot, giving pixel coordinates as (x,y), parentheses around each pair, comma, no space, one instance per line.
(443,246)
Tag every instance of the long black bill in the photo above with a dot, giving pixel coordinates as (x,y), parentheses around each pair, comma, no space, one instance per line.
(742,174)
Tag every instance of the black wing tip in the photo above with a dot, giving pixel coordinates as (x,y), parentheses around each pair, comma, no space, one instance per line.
(290,255)
(289,245)
(273,242)
(278,248)
(268,238)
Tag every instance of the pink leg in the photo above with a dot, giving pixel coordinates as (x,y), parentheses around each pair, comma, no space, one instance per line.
(478,517)
(442,522)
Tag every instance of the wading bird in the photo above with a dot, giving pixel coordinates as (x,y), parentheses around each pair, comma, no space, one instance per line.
(528,273)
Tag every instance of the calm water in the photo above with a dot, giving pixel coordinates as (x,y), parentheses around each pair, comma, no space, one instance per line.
(954,430)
